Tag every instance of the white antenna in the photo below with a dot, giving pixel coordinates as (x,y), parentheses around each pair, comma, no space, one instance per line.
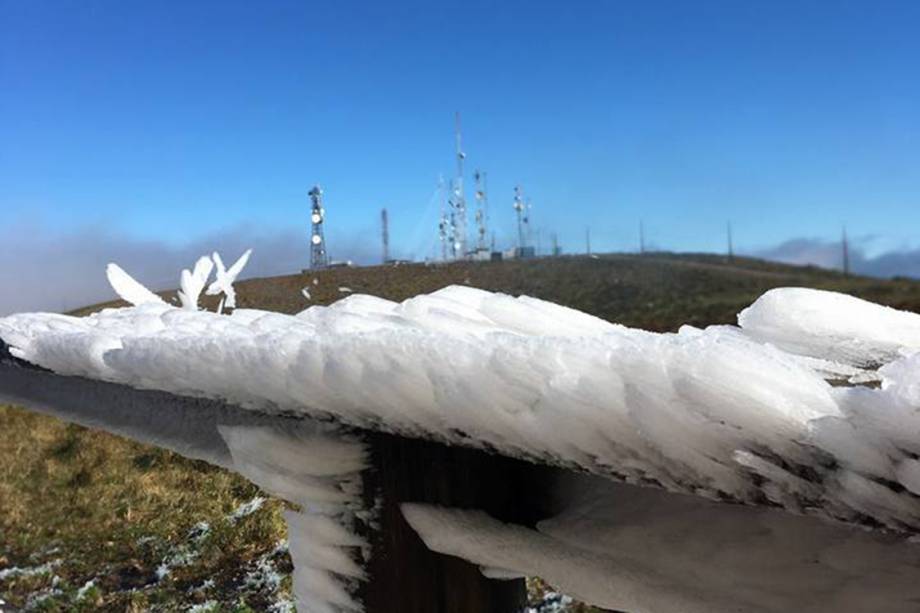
(318,257)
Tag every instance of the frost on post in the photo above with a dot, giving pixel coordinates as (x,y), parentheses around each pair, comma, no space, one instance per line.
(128,289)
(193,283)
(225,278)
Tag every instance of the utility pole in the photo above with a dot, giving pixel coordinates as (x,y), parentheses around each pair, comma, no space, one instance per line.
(641,237)
(384,224)
(318,256)
(555,244)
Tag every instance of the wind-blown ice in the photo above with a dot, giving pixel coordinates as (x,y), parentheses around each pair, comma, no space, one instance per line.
(831,326)
(645,551)
(128,289)
(192,282)
(226,278)
(710,412)
(319,470)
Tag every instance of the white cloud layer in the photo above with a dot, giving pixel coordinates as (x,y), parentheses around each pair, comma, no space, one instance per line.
(41,270)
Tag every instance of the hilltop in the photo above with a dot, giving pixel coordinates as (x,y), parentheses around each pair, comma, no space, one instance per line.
(654,291)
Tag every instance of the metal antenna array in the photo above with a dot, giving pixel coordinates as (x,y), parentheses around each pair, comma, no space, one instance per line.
(385,227)
(445,231)
(458,201)
(519,208)
(482,209)
(318,257)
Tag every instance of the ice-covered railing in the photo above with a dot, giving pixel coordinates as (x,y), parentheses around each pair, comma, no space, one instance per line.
(742,414)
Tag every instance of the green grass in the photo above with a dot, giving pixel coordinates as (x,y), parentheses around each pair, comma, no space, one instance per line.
(104,509)
(110,510)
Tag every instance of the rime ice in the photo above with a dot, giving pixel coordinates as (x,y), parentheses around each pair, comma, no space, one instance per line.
(718,412)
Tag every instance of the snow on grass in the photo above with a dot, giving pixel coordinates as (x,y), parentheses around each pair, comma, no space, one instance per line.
(16,572)
(186,553)
(85,589)
(204,607)
(246,509)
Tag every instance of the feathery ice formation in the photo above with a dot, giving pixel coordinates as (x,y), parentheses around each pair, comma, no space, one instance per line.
(742,414)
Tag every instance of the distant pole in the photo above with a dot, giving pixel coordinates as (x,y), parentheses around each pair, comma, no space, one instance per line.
(555,244)
(318,256)
(731,247)
(384,224)
(588,240)
(641,237)
(845,243)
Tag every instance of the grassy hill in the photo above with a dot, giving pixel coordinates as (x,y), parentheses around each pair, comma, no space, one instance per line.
(88,519)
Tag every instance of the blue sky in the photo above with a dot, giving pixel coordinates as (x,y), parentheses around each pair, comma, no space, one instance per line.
(172,121)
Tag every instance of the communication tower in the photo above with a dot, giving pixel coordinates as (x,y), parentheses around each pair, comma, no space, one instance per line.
(458,200)
(520,209)
(318,257)
(444,229)
(482,209)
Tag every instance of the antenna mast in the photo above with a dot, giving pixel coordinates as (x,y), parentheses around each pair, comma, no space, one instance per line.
(458,202)
(444,230)
(384,224)
(318,257)
(519,209)
(482,209)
